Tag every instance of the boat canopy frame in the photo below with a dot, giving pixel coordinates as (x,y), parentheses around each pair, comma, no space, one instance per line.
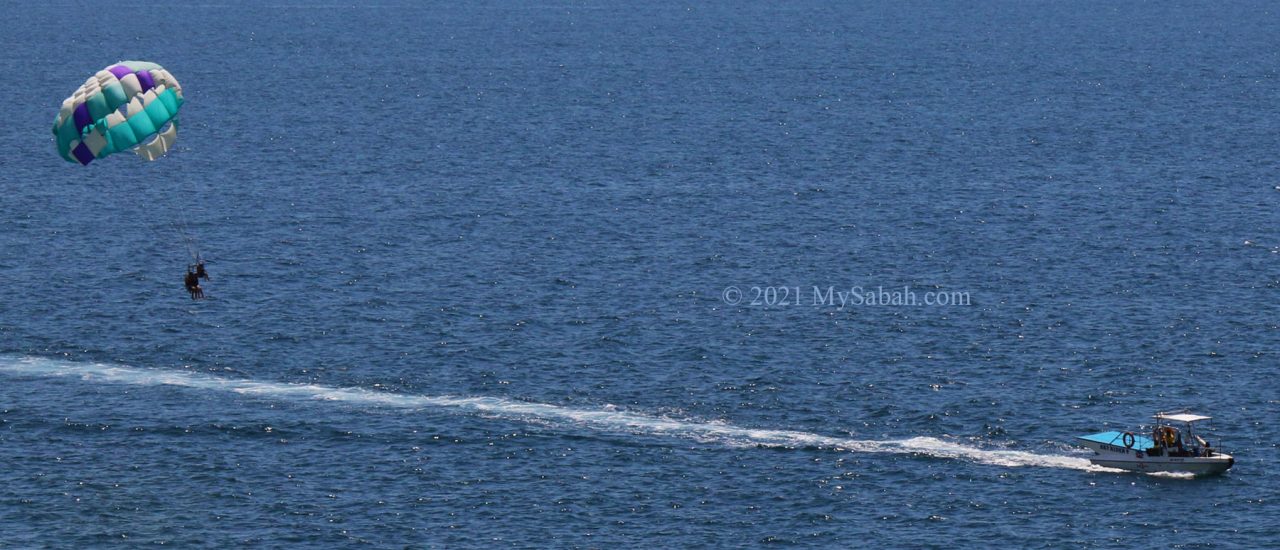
(1183,417)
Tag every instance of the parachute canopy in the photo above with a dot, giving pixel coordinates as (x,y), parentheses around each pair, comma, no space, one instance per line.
(129,105)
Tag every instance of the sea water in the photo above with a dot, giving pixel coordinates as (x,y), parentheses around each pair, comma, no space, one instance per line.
(609,274)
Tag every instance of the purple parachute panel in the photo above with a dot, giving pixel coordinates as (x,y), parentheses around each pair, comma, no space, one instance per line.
(144,78)
(82,154)
(119,71)
(81,117)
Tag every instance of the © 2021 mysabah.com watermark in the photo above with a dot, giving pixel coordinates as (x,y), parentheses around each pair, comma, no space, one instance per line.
(841,297)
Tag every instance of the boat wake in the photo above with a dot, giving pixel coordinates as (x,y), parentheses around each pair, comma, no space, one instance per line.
(608,418)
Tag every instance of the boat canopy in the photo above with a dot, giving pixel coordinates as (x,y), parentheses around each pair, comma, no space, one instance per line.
(1181,417)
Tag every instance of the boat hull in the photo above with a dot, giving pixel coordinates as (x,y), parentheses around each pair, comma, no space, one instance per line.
(1197,466)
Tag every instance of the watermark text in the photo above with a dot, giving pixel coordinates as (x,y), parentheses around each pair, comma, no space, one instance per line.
(842,297)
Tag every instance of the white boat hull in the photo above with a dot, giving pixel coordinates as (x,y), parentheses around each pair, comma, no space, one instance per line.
(1197,466)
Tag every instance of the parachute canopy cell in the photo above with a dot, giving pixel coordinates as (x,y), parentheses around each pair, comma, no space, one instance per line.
(132,105)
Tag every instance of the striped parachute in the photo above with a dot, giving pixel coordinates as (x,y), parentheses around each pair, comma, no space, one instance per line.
(132,105)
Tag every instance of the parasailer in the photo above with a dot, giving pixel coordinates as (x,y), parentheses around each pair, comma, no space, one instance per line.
(192,282)
(129,106)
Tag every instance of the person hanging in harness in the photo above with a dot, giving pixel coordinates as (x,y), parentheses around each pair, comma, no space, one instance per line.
(192,280)
(199,270)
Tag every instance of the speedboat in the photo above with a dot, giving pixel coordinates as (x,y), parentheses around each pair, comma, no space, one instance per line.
(1171,445)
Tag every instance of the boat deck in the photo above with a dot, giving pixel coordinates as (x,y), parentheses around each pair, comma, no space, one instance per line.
(1117,439)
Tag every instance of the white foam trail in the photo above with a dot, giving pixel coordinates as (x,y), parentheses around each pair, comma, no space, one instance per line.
(604,419)
(1172,475)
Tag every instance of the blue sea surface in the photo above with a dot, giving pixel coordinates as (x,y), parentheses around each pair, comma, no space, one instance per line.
(608,274)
